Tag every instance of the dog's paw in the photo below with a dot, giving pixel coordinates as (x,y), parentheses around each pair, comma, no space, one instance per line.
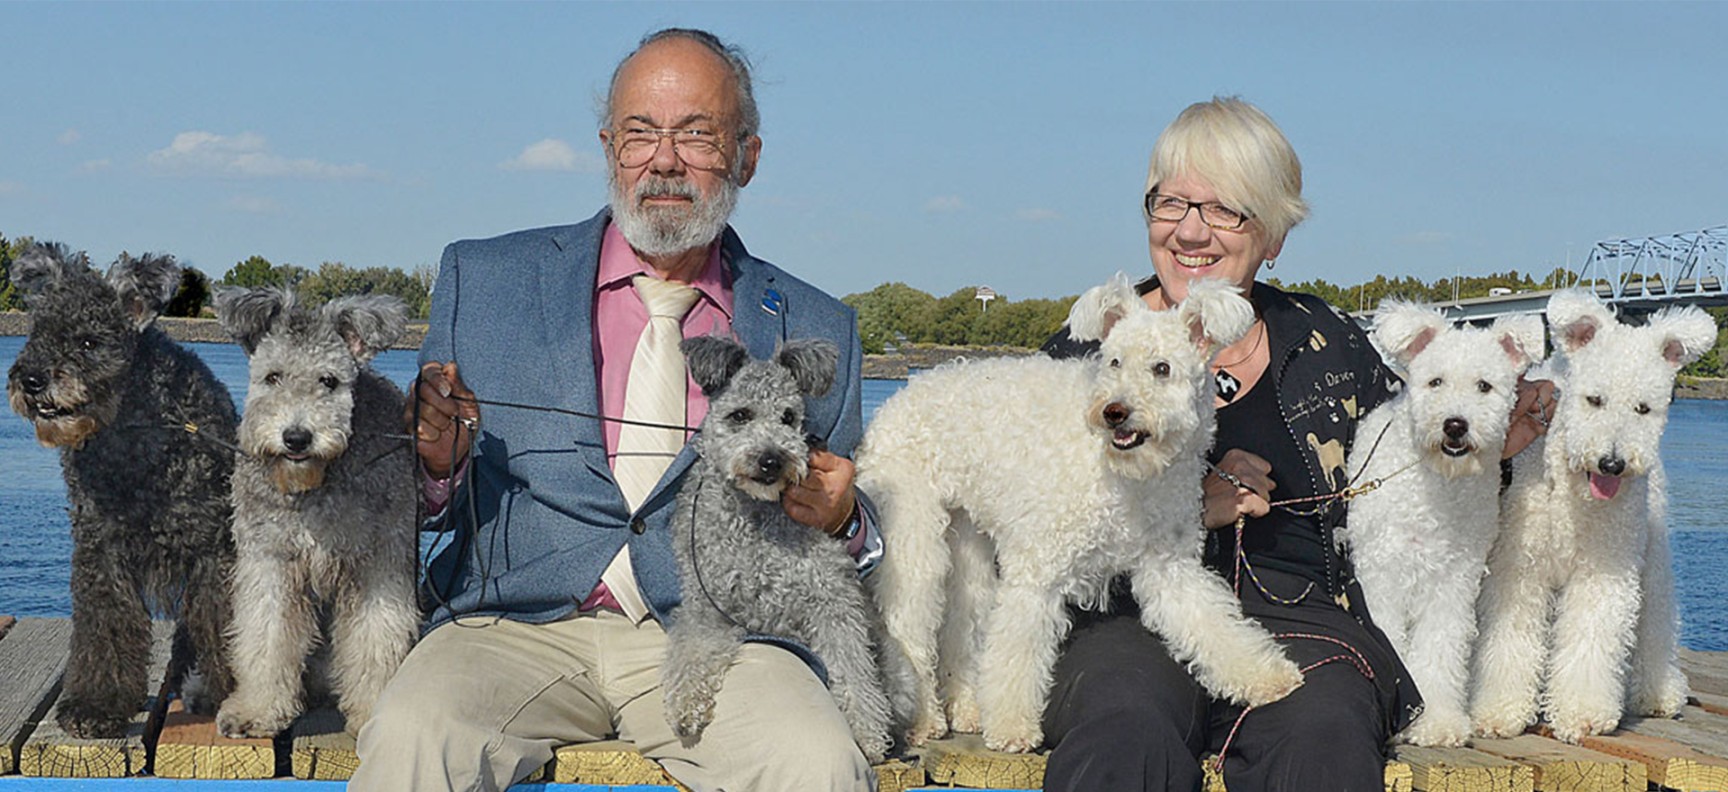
(963,715)
(688,715)
(875,747)
(1571,727)
(1665,702)
(355,717)
(1012,743)
(1280,681)
(1438,730)
(86,721)
(241,719)
(925,730)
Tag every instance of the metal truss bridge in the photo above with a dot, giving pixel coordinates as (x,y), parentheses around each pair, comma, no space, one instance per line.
(1635,276)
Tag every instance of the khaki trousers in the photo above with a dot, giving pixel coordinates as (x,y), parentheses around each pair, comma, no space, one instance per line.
(482,703)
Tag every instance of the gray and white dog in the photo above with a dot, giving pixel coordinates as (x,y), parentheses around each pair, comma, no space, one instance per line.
(749,570)
(324,507)
(144,431)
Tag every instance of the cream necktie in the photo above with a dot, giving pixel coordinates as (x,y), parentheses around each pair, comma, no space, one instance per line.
(653,393)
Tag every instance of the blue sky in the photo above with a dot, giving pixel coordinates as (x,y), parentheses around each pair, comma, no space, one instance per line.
(939,144)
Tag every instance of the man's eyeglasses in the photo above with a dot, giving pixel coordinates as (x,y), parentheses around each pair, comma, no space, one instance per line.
(699,148)
(1171,209)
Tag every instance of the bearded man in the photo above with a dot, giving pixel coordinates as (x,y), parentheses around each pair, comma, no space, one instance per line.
(547,604)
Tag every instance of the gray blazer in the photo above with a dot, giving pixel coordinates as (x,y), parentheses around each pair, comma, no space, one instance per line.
(539,515)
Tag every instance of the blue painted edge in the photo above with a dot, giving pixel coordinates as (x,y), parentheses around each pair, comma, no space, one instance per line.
(146,784)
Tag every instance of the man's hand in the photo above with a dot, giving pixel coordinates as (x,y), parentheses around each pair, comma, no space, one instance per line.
(1530,415)
(1225,500)
(448,417)
(824,499)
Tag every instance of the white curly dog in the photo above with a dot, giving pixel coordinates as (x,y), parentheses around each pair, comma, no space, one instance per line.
(1028,484)
(1420,540)
(1578,616)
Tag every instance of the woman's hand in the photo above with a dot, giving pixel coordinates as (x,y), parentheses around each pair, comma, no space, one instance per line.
(1239,487)
(1530,415)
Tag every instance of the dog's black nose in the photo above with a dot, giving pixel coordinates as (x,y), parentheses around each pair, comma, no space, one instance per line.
(1611,465)
(33,383)
(1115,414)
(296,440)
(770,466)
(1456,428)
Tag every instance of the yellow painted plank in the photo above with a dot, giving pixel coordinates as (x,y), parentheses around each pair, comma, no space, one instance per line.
(34,657)
(190,747)
(51,752)
(1558,767)
(605,763)
(1668,764)
(322,750)
(1463,770)
(962,760)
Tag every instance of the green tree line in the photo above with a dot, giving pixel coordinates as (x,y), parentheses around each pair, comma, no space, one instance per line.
(330,280)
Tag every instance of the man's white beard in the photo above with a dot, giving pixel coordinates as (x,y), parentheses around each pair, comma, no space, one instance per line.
(670,230)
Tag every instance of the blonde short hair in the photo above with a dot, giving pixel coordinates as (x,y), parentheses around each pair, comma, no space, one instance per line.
(1237,150)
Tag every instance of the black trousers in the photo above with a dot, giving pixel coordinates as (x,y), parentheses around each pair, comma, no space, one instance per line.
(1124,716)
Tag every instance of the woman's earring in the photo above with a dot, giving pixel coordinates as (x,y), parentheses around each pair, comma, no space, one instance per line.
(1270,263)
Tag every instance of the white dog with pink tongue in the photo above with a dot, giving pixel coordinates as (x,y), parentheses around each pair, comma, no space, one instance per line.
(1578,622)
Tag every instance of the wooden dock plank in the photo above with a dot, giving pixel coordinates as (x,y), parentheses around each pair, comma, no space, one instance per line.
(962,760)
(1702,730)
(607,763)
(1706,672)
(1463,770)
(1669,765)
(190,747)
(50,751)
(322,751)
(34,657)
(1558,767)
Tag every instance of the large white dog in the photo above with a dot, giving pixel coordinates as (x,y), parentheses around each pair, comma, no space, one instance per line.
(1029,484)
(1578,615)
(1420,541)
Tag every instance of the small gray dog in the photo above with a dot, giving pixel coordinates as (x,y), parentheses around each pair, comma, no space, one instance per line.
(144,431)
(324,507)
(747,569)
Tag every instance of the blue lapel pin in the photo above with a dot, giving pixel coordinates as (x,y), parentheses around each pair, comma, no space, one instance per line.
(771,302)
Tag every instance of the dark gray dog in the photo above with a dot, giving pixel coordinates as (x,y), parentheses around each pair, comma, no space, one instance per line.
(748,569)
(144,431)
(324,507)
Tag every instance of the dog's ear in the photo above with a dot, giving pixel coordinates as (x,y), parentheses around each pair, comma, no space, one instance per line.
(43,265)
(1101,307)
(145,284)
(812,362)
(1523,337)
(249,314)
(1575,317)
(1686,333)
(1403,329)
(369,323)
(1216,314)
(713,360)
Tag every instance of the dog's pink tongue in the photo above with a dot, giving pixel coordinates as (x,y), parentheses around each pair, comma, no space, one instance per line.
(1603,487)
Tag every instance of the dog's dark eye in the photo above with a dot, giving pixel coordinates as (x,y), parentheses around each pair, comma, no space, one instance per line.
(1593,401)
(1484,386)
(1435,383)
(1115,363)
(789,418)
(1642,409)
(273,378)
(328,381)
(742,415)
(1161,369)
(87,343)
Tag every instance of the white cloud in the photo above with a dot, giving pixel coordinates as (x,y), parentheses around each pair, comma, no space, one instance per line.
(944,204)
(1037,215)
(246,155)
(68,137)
(253,204)
(92,166)
(552,154)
